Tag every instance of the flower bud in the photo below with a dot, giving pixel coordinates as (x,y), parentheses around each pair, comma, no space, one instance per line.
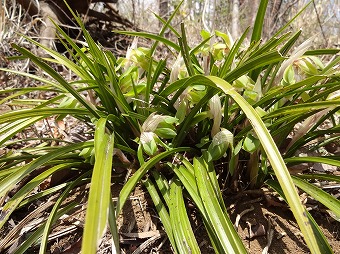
(220,144)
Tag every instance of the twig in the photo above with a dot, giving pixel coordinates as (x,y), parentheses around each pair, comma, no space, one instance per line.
(161,244)
(238,217)
(10,238)
(270,233)
(146,244)
(252,201)
(319,21)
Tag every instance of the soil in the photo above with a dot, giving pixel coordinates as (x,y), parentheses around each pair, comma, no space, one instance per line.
(287,237)
(139,225)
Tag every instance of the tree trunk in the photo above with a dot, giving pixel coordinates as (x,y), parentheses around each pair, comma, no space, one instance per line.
(235,19)
(163,10)
(272,23)
(58,11)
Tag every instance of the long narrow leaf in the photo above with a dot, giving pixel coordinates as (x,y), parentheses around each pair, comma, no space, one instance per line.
(8,131)
(275,159)
(186,176)
(258,24)
(58,78)
(100,191)
(167,25)
(151,36)
(320,237)
(182,231)
(320,195)
(162,185)
(220,221)
(13,203)
(25,113)
(113,228)
(253,63)
(162,212)
(33,238)
(128,187)
(10,181)
(53,214)
(323,160)
(326,177)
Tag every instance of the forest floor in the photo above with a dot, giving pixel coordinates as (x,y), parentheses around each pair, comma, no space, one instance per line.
(141,230)
(264,221)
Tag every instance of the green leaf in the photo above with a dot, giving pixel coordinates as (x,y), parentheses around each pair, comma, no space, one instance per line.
(326,177)
(320,195)
(225,231)
(288,76)
(100,190)
(54,212)
(151,36)
(182,231)
(280,92)
(13,203)
(250,143)
(114,228)
(185,51)
(186,176)
(58,78)
(220,144)
(302,108)
(319,236)
(258,24)
(316,52)
(274,157)
(166,133)
(147,139)
(131,183)
(162,211)
(231,56)
(292,20)
(50,85)
(40,194)
(167,25)
(163,185)
(253,63)
(26,113)
(323,160)
(13,127)
(9,182)
(33,238)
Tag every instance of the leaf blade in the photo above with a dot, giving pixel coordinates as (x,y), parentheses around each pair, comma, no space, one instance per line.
(100,190)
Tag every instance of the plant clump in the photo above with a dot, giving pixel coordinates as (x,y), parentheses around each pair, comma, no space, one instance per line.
(251,107)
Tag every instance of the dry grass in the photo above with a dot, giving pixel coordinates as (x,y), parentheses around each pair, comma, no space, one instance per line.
(14,23)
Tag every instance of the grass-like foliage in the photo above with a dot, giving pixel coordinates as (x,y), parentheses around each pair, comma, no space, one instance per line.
(221,101)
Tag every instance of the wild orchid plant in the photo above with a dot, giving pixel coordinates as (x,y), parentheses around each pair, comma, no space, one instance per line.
(220,101)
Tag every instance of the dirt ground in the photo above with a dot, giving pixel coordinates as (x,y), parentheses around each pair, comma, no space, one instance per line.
(141,230)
